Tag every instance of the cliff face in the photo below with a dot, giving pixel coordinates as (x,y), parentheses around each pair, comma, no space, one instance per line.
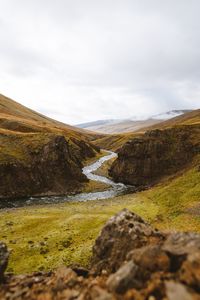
(38,155)
(50,165)
(131,260)
(145,160)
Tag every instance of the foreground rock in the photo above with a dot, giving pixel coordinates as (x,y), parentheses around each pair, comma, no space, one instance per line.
(122,233)
(144,161)
(131,260)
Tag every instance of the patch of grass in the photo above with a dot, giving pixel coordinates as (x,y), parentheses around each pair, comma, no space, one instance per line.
(44,237)
(36,235)
(17,147)
(115,141)
(175,198)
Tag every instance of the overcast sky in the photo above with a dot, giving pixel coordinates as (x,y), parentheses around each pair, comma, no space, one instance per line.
(83,60)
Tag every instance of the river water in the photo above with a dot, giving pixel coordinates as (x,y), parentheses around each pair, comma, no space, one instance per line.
(114,189)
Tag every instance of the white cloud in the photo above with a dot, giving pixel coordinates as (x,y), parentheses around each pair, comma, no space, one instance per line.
(86,60)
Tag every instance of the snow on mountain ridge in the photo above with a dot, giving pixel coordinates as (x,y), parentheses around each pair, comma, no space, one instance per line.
(162,117)
(170,114)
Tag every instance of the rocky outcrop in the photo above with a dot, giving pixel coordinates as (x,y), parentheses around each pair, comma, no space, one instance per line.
(122,233)
(147,264)
(143,161)
(39,155)
(50,165)
(137,257)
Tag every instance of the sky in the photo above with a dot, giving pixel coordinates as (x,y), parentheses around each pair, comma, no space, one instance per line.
(79,61)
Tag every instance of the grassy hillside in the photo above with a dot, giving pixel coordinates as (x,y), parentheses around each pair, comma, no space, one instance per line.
(39,151)
(44,237)
(113,142)
(18,118)
(48,236)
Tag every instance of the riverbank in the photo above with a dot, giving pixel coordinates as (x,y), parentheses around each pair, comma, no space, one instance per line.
(97,187)
(47,236)
(43,237)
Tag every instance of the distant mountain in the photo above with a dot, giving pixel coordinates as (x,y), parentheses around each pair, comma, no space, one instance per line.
(98,123)
(132,124)
(171,114)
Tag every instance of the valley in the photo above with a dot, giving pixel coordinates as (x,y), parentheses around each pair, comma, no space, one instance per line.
(47,236)
(38,155)
(99,150)
(58,187)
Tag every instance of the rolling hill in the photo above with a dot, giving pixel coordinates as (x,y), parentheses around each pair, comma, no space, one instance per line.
(38,155)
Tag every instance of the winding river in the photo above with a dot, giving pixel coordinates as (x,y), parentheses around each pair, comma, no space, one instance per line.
(114,189)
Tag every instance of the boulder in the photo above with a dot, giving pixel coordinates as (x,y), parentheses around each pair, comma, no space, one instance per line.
(122,233)
(150,258)
(125,278)
(182,243)
(190,270)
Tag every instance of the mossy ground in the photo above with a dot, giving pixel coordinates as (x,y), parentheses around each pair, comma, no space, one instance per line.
(44,237)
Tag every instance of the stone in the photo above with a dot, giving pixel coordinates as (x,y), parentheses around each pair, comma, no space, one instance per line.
(190,270)
(150,258)
(182,243)
(176,291)
(80,271)
(4,255)
(98,293)
(65,274)
(121,234)
(123,279)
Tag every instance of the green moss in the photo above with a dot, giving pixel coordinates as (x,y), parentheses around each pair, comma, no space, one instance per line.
(175,198)
(44,237)
(53,225)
